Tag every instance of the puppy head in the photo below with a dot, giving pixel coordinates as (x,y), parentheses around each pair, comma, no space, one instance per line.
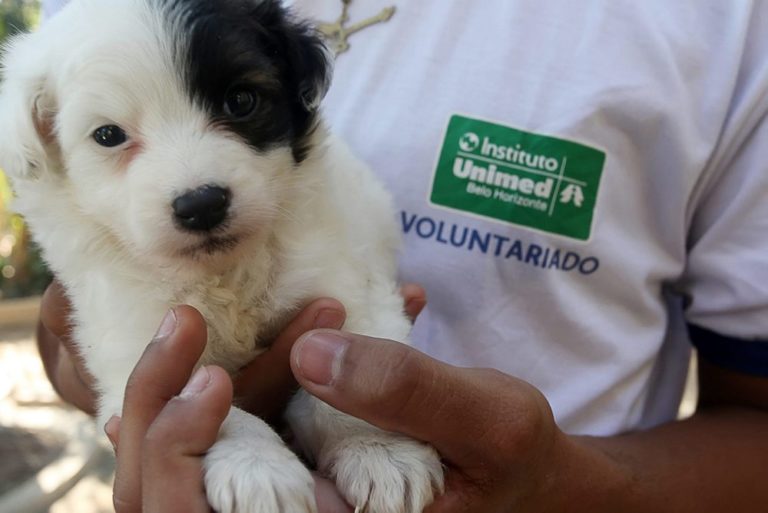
(175,126)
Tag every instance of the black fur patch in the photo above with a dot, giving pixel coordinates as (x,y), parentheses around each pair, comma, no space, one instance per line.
(254,44)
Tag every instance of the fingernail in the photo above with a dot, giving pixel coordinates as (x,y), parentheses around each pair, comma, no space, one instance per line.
(320,355)
(111,428)
(329,319)
(197,383)
(167,327)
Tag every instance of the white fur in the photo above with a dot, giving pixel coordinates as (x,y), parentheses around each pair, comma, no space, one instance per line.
(322,228)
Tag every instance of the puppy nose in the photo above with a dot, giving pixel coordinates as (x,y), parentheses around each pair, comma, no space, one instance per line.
(202,209)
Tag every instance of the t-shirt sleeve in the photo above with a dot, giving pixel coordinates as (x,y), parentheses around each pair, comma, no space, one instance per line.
(726,276)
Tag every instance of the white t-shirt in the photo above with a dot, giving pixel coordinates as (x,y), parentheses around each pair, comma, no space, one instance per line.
(50,7)
(674,94)
(576,181)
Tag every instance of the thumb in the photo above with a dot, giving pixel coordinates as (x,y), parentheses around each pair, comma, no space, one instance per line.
(398,388)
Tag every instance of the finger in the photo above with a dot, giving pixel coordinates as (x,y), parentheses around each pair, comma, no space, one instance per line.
(112,430)
(266,384)
(56,316)
(176,441)
(161,373)
(414,299)
(63,365)
(328,498)
(55,310)
(397,388)
(65,371)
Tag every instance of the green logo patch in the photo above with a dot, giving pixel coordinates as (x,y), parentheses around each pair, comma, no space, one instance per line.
(532,180)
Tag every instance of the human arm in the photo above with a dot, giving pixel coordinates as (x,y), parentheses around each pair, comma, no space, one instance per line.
(504,452)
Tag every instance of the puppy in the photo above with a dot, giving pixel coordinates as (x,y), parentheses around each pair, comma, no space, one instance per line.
(169,152)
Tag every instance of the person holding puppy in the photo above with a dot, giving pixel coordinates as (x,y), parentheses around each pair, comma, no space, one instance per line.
(581,192)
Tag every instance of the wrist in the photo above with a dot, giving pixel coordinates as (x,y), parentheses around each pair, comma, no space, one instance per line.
(583,477)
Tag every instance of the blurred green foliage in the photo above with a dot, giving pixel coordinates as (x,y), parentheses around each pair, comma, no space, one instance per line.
(22,272)
(17,16)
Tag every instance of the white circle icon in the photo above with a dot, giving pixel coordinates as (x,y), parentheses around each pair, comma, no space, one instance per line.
(469,142)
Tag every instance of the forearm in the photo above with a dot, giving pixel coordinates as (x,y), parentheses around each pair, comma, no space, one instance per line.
(713,462)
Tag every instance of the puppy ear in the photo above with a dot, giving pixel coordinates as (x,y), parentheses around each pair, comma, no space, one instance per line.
(308,60)
(312,60)
(27,112)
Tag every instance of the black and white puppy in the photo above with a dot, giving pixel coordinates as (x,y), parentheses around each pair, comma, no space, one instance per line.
(170,152)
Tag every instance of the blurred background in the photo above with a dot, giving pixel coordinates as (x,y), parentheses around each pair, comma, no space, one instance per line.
(22,273)
(50,457)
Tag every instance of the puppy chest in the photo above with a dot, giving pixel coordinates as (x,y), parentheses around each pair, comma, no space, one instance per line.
(239,328)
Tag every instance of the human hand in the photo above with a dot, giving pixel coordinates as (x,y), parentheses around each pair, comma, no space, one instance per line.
(155,471)
(169,421)
(496,434)
(265,385)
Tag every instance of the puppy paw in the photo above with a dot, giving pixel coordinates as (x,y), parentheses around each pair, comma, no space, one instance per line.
(243,477)
(383,473)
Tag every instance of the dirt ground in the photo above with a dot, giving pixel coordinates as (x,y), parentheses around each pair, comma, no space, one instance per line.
(32,426)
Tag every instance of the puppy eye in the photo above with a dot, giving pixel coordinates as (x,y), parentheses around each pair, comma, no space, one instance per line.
(110,136)
(240,103)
